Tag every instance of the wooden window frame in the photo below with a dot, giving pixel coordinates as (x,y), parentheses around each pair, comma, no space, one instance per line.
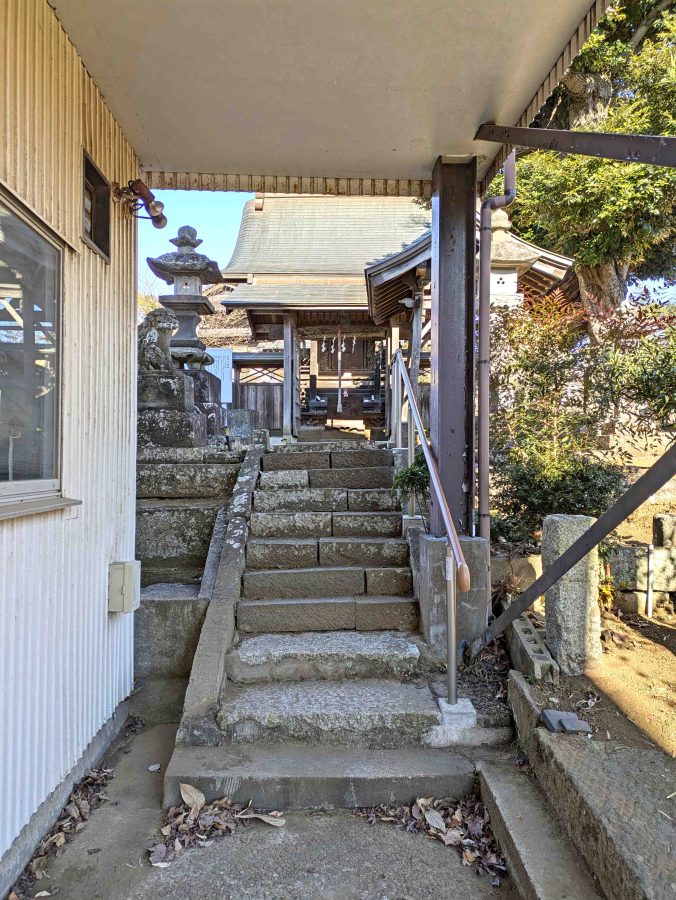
(94,180)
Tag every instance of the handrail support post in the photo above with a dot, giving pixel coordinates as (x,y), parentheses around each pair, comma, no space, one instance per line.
(452,643)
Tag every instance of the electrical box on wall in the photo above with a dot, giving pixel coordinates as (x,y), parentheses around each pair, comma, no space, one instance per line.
(124,586)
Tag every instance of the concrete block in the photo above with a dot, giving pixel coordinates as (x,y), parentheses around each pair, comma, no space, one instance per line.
(472,607)
(368,477)
(528,651)
(457,724)
(167,627)
(368,524)
(389,580)
(664,530)
(241,423)
(353,459)
(526,569)
(301,524)
(323,614)
(629,566)
(372,500)
(635,601)
(273,462)
(382,613)
(350,551)
(572,610)
(267,584)
(284,478)
(282,553)
(159,390)
(300,500)
(173,530)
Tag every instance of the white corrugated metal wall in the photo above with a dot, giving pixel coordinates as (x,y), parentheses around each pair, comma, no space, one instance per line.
(65,663)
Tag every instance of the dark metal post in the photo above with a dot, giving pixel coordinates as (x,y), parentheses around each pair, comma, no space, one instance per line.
(451,400)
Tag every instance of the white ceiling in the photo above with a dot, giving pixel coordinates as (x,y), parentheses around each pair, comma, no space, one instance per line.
(336,88)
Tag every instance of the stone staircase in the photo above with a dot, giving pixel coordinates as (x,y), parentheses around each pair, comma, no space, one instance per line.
(330,697)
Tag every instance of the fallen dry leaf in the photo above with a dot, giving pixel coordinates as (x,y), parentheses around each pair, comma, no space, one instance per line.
(192,796)
(434,820)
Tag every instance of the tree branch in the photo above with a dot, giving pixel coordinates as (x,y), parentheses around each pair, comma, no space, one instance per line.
(639,35)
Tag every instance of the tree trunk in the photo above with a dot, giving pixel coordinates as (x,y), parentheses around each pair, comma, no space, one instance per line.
(603,288)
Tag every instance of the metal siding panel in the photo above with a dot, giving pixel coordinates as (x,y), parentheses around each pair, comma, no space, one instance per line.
(65,663)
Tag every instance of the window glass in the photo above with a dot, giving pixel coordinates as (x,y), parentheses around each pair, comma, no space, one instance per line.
(29,294)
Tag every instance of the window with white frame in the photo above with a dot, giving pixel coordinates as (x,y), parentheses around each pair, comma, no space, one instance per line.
(30,293)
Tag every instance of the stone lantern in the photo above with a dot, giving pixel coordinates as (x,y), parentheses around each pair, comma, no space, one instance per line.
(188,271)
(509,259)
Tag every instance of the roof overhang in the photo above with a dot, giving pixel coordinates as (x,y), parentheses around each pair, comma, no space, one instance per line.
(319,97)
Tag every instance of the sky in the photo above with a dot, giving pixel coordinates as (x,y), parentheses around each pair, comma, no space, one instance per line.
(216,216)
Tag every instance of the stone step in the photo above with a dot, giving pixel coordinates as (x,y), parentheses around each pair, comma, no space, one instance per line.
(372,500)
(334,581)
(287,776)
(325,524)
(368,524)
(284,478)
(301,500)
(323,655)
(357,459)
(542,862)
(303,553)
(328,614)
(324,446)
(371,551)
(370,713)
(302,459)
(364,477)
(177,480)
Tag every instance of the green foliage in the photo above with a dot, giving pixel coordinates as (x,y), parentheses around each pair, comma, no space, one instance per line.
(601,211)
(414,480)
(559,401)
(529,491)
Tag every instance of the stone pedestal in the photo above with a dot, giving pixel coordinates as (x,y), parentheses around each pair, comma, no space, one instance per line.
(208,398)
(571,605)
(166,411)
(472,607)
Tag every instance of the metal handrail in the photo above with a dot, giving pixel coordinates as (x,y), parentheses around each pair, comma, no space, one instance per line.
(456,572)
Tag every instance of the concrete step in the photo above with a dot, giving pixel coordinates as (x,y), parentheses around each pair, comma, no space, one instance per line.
(370,713)
(302,459)
(300,500)
(357,459)
(368,524)
(372,500)
(373,551)
(303,553)
(364,477)
(542,862)
(325,524)
(334,581)
(323,656)
(328,614)
(287,776)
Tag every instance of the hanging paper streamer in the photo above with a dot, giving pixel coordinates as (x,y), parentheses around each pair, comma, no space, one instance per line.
(324,344)
(333,345)
(354,343)
(342,346)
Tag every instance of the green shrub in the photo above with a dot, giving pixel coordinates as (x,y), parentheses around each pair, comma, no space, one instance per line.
(414,480)
(526,493)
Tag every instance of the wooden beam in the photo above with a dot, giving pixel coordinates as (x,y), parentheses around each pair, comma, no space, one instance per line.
(649,149)
(287,415)
(451,401)
(415,341)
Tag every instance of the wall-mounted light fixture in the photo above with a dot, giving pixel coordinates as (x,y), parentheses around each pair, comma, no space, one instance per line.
(137,195)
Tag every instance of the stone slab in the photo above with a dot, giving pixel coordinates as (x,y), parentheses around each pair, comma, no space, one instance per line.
(368,524)
(167,627)
(664,530)
(367,477)
(635,602)
(318,614)
(185,480)
(276,460)
(629,566)
(388,580)
(542,863)
(323,656)
(573,616)
(380,613)
(354,459)
(159,390)
(171,428)
(372,500)
(208,454)
(346,551)
(300,500)
(373,713)
(300,524)
(336,581)
(597,787)
(296,478)
(282,553)
(173,532)
(288,777)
